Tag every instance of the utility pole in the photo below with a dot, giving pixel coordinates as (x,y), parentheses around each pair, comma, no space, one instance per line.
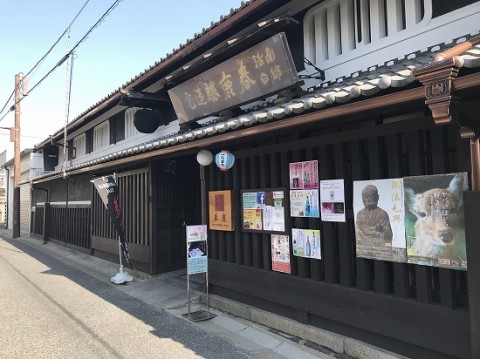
(16,161)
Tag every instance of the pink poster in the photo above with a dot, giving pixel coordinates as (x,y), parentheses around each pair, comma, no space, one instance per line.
(303,175)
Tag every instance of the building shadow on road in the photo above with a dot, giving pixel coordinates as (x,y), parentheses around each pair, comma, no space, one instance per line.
(164,323)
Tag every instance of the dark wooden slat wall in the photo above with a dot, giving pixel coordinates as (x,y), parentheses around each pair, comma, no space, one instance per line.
(70,226)
(394,150)
(37,220)
(132,196)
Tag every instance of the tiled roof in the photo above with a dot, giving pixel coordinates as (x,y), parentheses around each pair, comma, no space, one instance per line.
(168,55)
(393,74)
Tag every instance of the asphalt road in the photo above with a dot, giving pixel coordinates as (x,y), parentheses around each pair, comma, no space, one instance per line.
(51,310)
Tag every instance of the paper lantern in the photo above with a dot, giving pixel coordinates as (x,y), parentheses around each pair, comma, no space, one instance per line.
(224,160)
(204,157)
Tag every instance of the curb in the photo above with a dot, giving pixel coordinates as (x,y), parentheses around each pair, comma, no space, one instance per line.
(319,339)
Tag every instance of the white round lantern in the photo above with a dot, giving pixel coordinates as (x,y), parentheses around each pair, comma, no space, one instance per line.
(224,160)
(204,157)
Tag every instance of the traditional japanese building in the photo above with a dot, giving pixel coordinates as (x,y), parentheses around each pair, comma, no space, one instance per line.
(310,98)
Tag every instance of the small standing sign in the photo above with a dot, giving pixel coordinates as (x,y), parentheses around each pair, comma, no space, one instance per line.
(197,262)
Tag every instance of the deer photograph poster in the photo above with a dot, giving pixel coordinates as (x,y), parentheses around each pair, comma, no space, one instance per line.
(434,220)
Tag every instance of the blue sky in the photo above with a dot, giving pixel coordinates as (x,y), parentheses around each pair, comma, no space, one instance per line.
(135,35)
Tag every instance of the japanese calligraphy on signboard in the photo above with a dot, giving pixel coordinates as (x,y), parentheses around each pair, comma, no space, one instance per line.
(263,210)
(220,210)
(261,70)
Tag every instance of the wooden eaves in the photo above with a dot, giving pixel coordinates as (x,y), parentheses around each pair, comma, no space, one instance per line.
(349,109)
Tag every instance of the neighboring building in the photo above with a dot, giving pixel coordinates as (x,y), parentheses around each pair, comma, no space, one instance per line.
(367,105)
(3,189)
(3,196)
(31,165)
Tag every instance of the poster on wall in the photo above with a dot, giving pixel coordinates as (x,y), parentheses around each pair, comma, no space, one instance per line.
(306,243)
(220,211)
(197,250)
(263,210)
(332,198)
(303,175)
(434,220)
(280,253)
(379,213)
(304,203)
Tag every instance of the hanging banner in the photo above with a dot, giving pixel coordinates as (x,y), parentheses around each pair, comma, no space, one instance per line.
(197,256)
(108,191)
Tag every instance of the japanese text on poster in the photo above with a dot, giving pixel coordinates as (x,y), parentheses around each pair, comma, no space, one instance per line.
(263,211)
(306,243)
(434,220)
(280,253)
(303,175)
(379,219)
(304,203)
(332,198)
(197,250)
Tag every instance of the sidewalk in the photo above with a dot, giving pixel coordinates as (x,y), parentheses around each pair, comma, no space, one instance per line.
(260,333)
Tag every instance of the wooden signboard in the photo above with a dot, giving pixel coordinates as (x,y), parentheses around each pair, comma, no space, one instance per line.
(220,211)
(263,69)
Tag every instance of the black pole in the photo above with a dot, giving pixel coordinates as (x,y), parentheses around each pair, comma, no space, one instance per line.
(472,229)
(16,212)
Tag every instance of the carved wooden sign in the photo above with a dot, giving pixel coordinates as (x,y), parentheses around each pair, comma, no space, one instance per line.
(263,69)
(220,211)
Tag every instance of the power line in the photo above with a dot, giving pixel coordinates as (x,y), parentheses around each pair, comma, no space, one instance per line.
(6,103)
(58,40)
(46,54)
(64,58)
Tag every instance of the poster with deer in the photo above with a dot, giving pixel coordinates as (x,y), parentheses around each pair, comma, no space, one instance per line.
(434,220)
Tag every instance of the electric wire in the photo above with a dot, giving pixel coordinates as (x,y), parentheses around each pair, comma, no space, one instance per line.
(58,40)
(68,93)
(35,67)
(64,58)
